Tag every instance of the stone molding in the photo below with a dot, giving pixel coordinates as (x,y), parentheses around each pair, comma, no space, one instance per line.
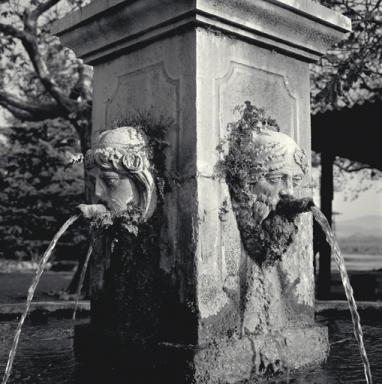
(302,29)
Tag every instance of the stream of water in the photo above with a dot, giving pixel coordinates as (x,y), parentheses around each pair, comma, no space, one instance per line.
(82,279)
(331,239)
(31,291)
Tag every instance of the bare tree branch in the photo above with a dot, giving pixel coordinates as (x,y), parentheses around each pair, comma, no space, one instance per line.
(80,89)
(42,71)
(74,106)
(29,39)
(9,30)
(365,84)
(376,6)
(19,113)
(32,111)
(351,166)
(43,7)
(30,17)
(29,42)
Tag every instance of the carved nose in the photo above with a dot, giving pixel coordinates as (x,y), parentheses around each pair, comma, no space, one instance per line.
(287,189)
(98,189)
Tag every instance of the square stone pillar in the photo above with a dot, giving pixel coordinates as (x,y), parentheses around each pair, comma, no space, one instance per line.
(193,62)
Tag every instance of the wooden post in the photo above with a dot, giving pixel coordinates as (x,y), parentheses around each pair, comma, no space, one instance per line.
(326,193)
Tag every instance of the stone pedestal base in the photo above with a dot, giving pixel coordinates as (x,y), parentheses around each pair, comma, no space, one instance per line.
(254,356)
(228,361)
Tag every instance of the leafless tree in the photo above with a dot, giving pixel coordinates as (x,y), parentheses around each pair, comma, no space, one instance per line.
(41,79)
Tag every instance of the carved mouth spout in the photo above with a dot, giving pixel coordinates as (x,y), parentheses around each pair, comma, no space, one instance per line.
(290,206)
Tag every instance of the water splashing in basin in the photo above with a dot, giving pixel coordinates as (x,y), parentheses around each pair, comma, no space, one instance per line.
(31,291)
(331,239)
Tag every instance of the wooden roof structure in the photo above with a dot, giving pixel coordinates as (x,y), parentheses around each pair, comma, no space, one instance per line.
(353,133)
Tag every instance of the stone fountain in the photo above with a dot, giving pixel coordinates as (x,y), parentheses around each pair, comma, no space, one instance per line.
(178,285)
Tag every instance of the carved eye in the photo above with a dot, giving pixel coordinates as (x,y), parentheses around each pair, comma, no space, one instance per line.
(111,181)
(297,180)
(275,179)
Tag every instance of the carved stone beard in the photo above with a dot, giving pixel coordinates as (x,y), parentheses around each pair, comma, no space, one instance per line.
(268,243)
(118,224)
(267,240)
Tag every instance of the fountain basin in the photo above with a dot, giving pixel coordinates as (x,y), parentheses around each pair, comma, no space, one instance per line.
(46,354)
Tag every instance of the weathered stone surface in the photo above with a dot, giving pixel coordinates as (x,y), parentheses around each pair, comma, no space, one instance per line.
(254,356)
(300,28)
(198,296)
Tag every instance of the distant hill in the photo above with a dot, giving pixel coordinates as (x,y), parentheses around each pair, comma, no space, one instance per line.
(360,228)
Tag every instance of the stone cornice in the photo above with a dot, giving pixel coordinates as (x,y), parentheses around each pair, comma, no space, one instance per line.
(299,28)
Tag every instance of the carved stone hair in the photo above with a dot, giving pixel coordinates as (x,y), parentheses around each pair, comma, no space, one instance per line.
(270,150)
(124,150)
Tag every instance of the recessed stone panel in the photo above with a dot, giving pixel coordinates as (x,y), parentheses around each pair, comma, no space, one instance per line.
(139,91)
(264,88)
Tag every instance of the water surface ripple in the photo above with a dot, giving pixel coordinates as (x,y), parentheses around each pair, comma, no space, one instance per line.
(46,354)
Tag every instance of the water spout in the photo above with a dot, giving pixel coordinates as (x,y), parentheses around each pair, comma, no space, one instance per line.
(331,239)
(31,292)
(82,279)
(290,206)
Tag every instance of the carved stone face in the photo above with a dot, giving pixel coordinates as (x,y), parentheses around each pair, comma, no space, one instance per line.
(115,190)
(120,164)
(271,166)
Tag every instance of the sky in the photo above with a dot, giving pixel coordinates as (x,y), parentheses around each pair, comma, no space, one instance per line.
(369,203)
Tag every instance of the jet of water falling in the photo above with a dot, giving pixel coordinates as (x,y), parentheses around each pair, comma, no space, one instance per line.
(331,239)
(31,292)
(81,281)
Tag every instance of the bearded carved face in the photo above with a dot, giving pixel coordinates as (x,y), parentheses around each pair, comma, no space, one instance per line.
(120,164)
(272,168)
